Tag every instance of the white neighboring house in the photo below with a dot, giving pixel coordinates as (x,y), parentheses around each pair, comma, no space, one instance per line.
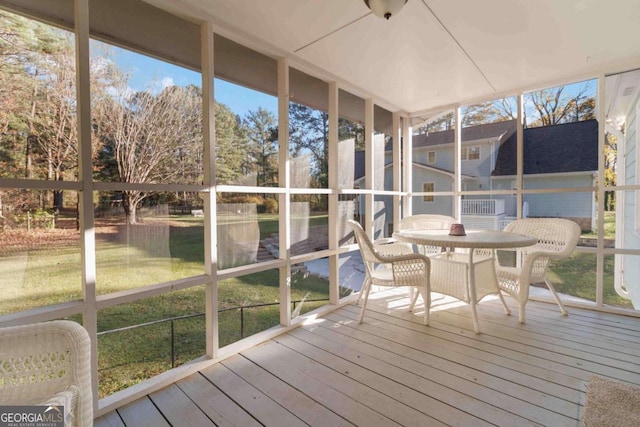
(627,109)
(557,156)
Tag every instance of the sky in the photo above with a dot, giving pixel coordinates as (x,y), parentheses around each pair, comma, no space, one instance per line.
(145,71)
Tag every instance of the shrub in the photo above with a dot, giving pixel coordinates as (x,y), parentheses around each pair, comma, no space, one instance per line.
(271,206)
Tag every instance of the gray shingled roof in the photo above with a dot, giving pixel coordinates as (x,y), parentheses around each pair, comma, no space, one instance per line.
(473,133)
(569,147)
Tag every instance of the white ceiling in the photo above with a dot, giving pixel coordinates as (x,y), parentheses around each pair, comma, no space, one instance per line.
(435,52)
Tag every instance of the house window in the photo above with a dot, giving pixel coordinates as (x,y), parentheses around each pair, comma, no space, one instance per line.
(428,187)
(431,157)
(470,153)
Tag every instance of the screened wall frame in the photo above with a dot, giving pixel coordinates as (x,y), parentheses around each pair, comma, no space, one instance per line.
(519,191)
(92,302)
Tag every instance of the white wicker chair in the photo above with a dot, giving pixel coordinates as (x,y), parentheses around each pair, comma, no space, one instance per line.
(557,238)
(392,265)
(48,364)
(427,222)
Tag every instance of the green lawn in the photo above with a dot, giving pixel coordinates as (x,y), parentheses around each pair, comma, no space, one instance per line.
(44,269)
(130,356)
(576,276)
(38,271)
(609,227)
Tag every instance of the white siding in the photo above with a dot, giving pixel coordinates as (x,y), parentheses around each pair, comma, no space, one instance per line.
(569,205)
(443,204)
(631,267)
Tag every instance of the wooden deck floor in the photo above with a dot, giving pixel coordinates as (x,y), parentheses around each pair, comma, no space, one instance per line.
(392,370)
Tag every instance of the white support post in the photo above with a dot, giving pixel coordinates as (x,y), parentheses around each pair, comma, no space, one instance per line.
(85,172)
(369,161)
(397,169)
(520,156)
(601,111)
(210,219)
(457,179)
(334,273)
(284,178)
(407,176)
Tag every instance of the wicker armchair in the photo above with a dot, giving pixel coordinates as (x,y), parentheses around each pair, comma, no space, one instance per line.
(392,265)
(557,238)
(427,222)
(48,364)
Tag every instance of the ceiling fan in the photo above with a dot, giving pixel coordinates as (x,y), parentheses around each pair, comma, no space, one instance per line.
(385,8)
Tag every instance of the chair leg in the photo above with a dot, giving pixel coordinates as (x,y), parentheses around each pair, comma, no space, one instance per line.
(504,304)
(365,284)
(362,288)
(364,303)
(521,311)
(427,304)
(563,310)
(414,299)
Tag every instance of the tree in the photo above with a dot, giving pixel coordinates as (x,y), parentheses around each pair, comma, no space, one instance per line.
(610,165)
(309,133)
(349,129)
(441,123)
(499,110)
(17,47)
(37,102)
(54,126)
(558,105)
(262,154)
(231,145)
(148,136)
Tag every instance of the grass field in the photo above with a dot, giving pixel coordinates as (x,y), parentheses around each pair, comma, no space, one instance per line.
(43,268)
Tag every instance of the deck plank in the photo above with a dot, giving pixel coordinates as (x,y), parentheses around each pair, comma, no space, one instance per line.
(298,403)
(311,379)
(574,330)
(178,409)
(510,398)
(468,349)
(419,392)
(142,413)
(252,400)
(214,403)
(393,370)
(553,409)
(540,349)
(504,337)
(112,419)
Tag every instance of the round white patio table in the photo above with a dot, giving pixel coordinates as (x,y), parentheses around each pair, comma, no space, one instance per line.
(458,274)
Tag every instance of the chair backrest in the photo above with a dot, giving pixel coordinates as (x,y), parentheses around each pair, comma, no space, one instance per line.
(427,222)
(369,254)
(48,363)
(558,237)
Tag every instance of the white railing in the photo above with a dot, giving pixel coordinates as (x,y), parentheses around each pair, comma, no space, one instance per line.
(504,221)
(482,207)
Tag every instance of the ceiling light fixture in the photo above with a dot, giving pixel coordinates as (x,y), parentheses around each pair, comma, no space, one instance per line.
(385,8)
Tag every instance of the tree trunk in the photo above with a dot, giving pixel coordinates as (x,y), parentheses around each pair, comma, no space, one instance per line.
(130,206)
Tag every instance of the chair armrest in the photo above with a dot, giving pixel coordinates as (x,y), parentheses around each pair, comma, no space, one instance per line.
(529,262)
(390,259)
(385,241)
(411,269)
(393,248)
